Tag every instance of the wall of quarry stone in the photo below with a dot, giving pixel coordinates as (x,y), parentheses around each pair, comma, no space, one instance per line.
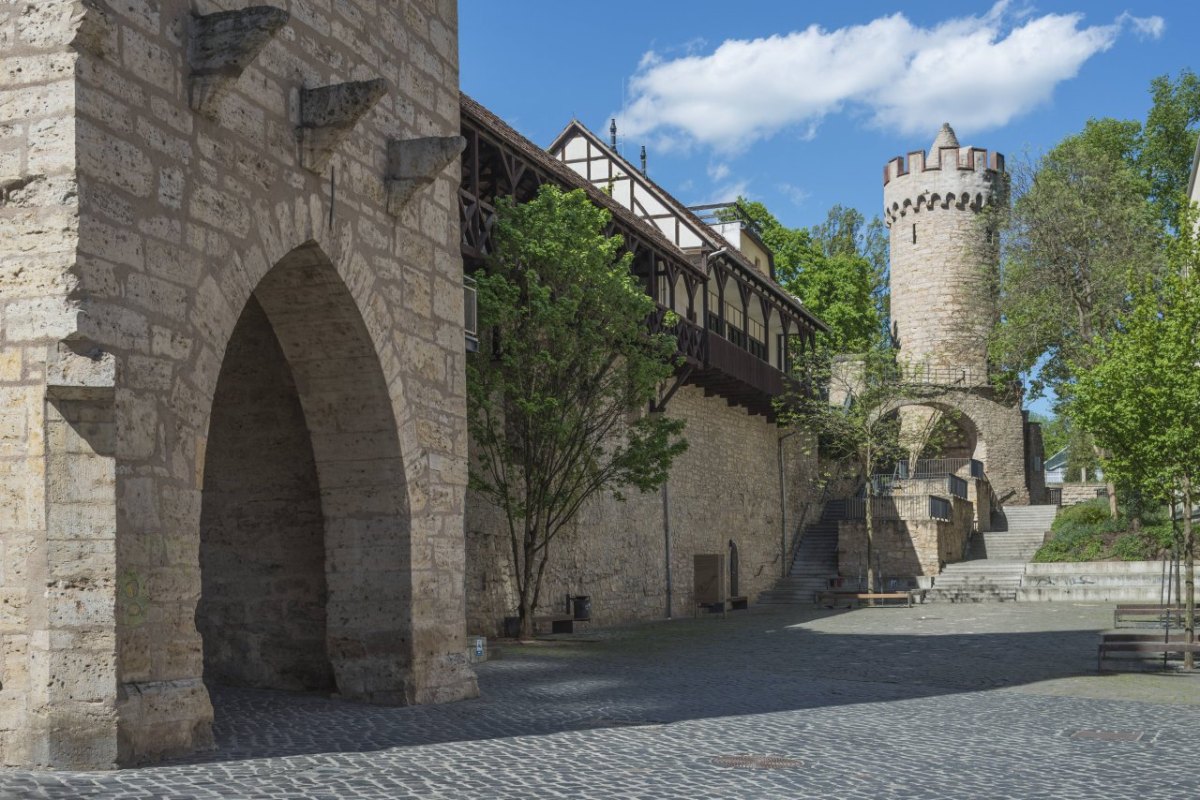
(133,232)
(725,487)
(1075,493)
(907,547)
(262,542)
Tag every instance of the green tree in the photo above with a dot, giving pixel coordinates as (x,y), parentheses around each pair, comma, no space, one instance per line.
(566,358)
(1080,219)
(852,406)
(1139,394)
(836,269)
(1169,143)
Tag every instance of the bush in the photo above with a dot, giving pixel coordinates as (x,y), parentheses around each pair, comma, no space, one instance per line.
(1090,513)
(1086,533)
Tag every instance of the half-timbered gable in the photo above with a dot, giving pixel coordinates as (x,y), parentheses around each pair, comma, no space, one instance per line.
(734,324)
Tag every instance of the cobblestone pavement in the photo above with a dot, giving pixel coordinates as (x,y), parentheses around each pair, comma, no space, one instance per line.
(987,701)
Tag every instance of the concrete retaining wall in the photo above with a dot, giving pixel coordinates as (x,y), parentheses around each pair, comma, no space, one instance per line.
(1098,581)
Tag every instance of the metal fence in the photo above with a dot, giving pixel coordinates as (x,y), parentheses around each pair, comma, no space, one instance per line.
(936,467)
(901,507)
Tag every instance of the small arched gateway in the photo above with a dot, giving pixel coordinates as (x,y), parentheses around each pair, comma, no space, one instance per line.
(230,371)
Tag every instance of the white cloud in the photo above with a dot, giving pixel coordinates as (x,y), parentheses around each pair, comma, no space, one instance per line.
(797,194)
(1144,27)
(718,172)
(729,192)
(978,72)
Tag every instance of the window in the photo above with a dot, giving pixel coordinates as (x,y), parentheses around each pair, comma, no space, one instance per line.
(914,233)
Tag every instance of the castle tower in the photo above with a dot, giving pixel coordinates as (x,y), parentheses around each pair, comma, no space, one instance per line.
(943,257)
(943,282)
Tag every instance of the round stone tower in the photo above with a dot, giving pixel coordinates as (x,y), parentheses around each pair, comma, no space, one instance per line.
(943,257)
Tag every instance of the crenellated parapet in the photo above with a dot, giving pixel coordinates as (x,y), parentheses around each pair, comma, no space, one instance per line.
(948,176)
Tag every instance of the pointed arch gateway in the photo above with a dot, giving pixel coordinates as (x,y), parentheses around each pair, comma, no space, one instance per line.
(305,548)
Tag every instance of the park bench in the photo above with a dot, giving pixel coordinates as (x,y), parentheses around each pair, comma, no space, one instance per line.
(1127,612)
(722,606)
(872,599)
(1143,644)
(559,623)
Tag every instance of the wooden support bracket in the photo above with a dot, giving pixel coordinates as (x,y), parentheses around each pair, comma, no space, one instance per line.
(329,114)
(414,164)
(222,45)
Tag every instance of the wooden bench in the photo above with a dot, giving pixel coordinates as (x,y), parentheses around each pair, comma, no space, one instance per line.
(559,623)
(1172,615)
(1141,644)
(722,606)
(871,597)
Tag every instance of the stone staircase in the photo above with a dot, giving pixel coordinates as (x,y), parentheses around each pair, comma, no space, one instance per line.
(815,562)
(996,560)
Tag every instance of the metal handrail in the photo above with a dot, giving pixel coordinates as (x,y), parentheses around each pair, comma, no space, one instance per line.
(902,507)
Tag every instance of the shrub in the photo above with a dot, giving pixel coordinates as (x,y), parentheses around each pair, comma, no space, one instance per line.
(1090,513)
(1086,533)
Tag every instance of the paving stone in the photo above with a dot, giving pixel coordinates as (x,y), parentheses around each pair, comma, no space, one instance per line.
(938,702)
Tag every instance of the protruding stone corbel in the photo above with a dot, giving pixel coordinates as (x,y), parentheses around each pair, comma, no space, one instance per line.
(80,370)
(414,163)
(328,114)
(223,45)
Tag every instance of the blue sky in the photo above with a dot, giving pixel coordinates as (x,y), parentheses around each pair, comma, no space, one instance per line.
(800,104)
(752,96)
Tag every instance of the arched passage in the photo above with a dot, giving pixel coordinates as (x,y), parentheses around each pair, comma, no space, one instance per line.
(305,527)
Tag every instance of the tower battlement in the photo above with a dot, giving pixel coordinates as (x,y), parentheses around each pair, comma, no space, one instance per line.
(947,176)
(962,159)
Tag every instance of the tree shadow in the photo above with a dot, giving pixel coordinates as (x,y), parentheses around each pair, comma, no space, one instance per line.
(650,674)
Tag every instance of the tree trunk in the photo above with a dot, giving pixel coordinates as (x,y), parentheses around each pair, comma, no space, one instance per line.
(525,612)
(528,596)
(1189,577)
(868,516)
(1113,511)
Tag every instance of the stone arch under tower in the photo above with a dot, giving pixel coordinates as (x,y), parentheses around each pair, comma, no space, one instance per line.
(990,430)
(305,526)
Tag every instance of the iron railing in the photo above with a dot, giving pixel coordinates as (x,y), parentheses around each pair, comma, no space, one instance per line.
(936,467)
(898,507)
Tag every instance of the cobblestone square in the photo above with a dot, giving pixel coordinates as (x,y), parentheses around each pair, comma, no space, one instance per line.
(937,701)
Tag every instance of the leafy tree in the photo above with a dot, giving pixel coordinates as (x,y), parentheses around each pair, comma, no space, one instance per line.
(1054,432)
(1169,142)
(1079,221)
(852,407)
(1139,394)
(566,359)
(1060,432)
(836,269)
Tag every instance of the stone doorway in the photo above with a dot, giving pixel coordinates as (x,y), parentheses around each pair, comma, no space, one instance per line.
(305,554)
(262,536)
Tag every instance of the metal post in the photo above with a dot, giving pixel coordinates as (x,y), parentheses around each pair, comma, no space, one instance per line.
(666,497)
(783,526)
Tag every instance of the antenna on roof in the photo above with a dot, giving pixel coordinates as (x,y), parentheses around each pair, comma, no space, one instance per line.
(612,133)
(644,161)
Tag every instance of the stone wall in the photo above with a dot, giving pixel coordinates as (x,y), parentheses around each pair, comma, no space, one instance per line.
(725,487)
(136,223)
(942,259)
(262,548)
(39,571)
(906,548)
(1075,493)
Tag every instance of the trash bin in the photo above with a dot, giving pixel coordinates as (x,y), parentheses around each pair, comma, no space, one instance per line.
(581,607)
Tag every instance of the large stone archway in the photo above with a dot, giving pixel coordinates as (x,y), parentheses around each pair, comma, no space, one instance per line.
(305,527)
(981,427)
(240,157)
